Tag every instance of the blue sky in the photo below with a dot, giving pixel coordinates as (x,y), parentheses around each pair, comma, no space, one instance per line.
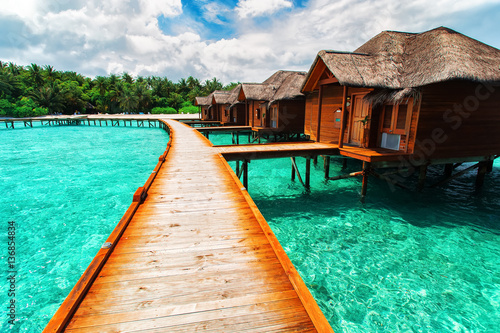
(233,40)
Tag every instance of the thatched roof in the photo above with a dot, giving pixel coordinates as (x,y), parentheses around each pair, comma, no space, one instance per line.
(233,96)
(399,60)
(257,91)
(290,88)
(203,101)
(280,85)
(393,96)
(220,97)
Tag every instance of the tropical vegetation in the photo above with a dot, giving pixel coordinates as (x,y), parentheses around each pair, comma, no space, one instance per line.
(27,91)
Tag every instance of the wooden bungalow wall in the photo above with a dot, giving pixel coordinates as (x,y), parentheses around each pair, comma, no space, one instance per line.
(239,111)
(252,115)
(204,112)
(459,119)
(331,101)
(224,113)
(291,116)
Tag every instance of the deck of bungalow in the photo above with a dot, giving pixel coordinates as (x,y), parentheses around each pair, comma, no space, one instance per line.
(192,253)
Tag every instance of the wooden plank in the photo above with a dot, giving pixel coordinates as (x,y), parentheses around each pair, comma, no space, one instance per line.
(197,253)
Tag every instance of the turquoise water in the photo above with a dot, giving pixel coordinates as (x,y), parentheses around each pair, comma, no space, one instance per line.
(65,188)
(401,262)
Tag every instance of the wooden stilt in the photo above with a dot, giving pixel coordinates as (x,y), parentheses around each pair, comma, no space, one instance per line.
(327,166)
(308,172)
(349,175)
(293,168)
(481,172)
(489,166)
(364,186)
(237,138)
(296,171)
(422,177)
(458,174)
(344,163)
(238,168)
(315,160)
(448,170)
(245,174)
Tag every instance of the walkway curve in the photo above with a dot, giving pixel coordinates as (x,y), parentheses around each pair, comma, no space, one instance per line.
(197,256)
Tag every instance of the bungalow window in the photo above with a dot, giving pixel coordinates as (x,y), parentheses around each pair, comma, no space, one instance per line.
(257,113)
(394,119)
(394,126)
(225,113)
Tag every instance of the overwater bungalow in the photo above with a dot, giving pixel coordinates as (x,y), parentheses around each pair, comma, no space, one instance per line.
(227,106)
(275,106)
(408,99)
(204,103)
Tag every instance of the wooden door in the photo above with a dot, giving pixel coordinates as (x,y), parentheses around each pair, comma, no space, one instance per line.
(359,115)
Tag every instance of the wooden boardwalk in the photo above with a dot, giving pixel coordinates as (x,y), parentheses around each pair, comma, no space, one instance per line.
(196,256)
(276,150)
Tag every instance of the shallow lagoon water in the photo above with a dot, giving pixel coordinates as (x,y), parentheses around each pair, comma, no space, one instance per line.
(403,261)
(66,188)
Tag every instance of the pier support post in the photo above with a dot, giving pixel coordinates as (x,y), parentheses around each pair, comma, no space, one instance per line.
(344,163)
(293,168)
(364,184)
(489,166)
(326,164)
(448,170)
(422,177)
(308,172)
(245,173)
(481,172)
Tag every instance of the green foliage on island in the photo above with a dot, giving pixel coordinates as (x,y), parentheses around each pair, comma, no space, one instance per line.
(36,91)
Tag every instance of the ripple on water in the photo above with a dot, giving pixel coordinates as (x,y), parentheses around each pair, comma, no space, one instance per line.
(68,187)
(402,262)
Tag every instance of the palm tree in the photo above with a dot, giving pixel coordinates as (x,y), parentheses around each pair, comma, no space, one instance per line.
(49,96)
(13,68)
(35,74)
(128,101)
(127,78)
(5,85)
(101,84)
(49,72)
(143,96)
(182,87)
(175,100)
(211,85)
(193,83)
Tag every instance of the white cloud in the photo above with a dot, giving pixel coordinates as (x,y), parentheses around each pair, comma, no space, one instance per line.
(252,8)
(213,10)
(97,38)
